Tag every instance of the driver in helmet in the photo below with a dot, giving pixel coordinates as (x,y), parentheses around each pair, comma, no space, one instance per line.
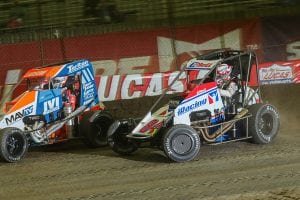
(43,85)
(59,82)
(225,82)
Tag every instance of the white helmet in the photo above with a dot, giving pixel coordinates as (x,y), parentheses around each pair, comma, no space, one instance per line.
(223,72)
(44,83)
(59,82)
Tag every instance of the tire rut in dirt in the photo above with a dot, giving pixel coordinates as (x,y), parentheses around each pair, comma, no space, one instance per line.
(255,179)
(114,166)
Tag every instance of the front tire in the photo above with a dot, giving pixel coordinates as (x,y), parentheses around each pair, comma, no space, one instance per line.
(181,143)
(14,144)
(264,123)
(95,133)
(119,142)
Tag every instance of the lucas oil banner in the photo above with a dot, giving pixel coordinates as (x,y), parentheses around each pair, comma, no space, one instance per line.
(132,86)
(279,72)
(281,50)
(119,55)
(141,63)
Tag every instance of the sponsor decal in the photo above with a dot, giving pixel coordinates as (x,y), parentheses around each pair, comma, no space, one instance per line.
(88,90)
(202,98)
(200,65)
(78,66)
(88,86)
(19,115)
(151,126)
(191,107)
(276,74)
(87,76)
(51,105)
(213,96)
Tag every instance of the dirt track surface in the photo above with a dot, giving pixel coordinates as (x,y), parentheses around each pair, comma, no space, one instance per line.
(238,170)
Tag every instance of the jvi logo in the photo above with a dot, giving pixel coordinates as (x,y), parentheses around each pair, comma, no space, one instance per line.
(51,105)
(213,97)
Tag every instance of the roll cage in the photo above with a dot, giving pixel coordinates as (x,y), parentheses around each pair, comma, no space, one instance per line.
(245,68)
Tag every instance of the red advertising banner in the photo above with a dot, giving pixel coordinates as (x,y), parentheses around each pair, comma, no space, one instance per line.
(118,87)
(280,72)
(139,52)
(134,52)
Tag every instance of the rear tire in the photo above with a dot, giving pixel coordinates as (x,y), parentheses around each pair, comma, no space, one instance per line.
(181,143)
(14,144)
(95,133)
(264,123)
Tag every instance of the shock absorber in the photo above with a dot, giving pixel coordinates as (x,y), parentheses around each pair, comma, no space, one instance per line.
(70,123)
(233,112)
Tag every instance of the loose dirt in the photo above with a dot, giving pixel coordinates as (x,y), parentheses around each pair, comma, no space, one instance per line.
(238,170)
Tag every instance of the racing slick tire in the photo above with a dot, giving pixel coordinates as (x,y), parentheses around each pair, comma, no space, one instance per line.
(14,144)
(95,132)
(181,143)
(119,142)
(264,123)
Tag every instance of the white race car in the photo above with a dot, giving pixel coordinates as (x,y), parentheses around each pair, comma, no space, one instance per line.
(202,115)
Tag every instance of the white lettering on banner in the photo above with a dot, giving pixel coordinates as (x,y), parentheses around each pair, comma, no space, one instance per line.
(135,65)
(276,74)
(155,85)
(108,87)
(105,67)
(6,94)
(293,50)
(178,86)
(165,47)
(126,86)
(131,65)
(12,76)
(112,88)
(138,85)
(139,65)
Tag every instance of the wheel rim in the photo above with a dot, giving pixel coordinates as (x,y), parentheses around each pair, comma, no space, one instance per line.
(15,144)
(266,124)
(182,144)
(99,134)
(100,127)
